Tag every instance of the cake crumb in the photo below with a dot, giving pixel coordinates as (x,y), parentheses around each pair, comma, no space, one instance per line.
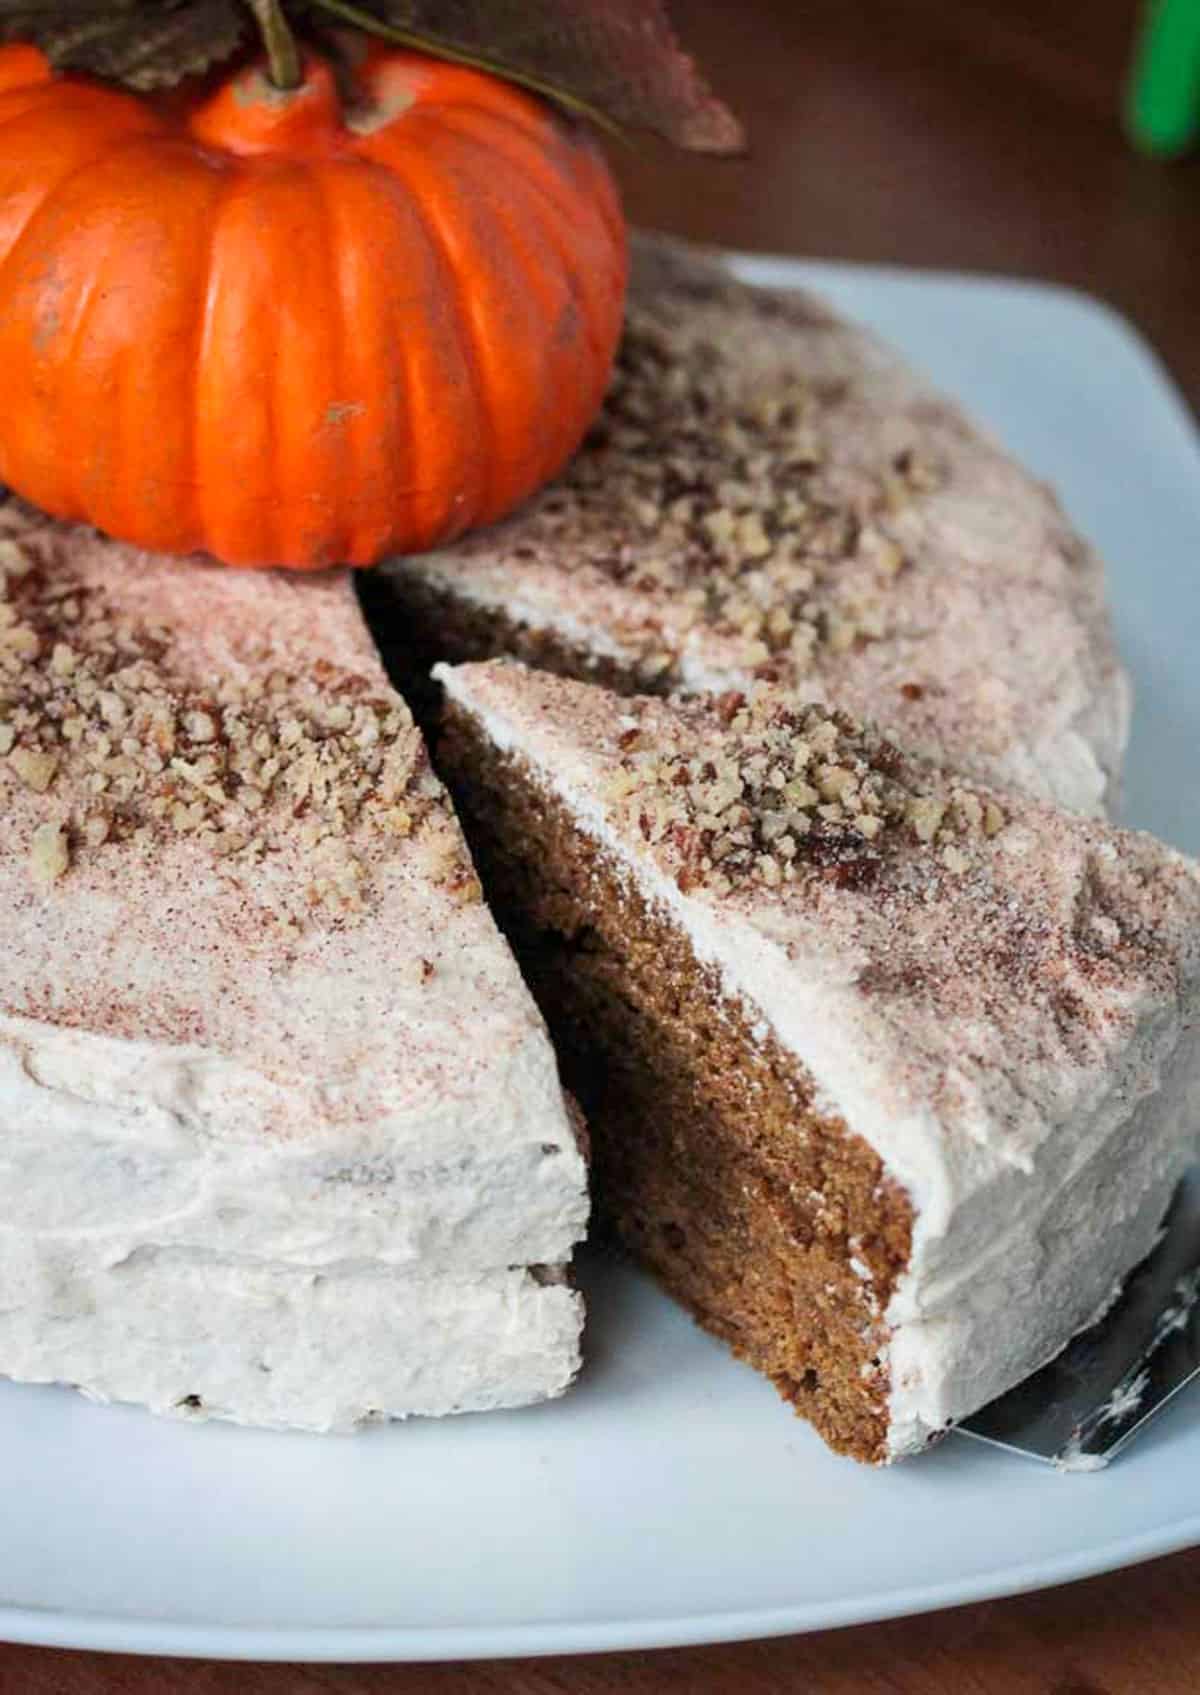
(49,855)
(14,561)
(925,814)
(35,769)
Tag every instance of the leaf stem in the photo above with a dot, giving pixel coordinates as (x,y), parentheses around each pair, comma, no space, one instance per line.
(283,56)
(426,42)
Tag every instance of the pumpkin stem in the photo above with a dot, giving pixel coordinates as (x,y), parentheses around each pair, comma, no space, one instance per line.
(283,56)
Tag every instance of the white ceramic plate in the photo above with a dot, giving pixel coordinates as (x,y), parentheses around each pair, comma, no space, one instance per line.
(671,1498)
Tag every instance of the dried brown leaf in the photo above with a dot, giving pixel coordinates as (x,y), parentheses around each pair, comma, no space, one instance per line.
(618,59)
(127,41)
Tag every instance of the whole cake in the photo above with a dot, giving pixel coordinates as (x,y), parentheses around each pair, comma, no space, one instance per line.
(770,495)
(890,1075)
(282,1138)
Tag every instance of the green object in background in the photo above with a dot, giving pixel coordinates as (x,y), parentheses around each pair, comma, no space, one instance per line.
(1163,107)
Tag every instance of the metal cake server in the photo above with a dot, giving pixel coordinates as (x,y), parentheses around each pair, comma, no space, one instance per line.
(1078,1412)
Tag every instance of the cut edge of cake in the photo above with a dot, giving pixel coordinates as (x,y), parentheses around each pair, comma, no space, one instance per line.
(1008,1134)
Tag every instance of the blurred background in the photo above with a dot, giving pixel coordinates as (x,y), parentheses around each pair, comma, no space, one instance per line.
(972,134)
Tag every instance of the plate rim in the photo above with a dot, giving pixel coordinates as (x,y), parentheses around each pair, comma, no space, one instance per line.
(133,1633)
(387,1644)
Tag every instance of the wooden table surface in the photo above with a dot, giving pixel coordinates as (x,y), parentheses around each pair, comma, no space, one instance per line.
(976,134)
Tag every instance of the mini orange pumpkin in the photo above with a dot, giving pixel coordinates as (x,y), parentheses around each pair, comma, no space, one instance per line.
(284,331)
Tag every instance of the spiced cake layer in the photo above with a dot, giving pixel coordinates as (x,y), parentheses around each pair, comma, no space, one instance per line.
(771,495)
(282,1137)
(890,1075)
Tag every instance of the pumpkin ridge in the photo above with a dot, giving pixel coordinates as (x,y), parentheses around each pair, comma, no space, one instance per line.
(322,350)
(59,184)
(346,459)
(492,233)
(227,505)
(17,103)
(401,167)
(388,443)
(419,483)
(445,86)
(556,188)
(87,102)
(488,248)
(131,494)
(550,217)
(535,211)
(278,517)
(78,464)
(415,441)
(548,175)
(71,500)
(190,482)
(22,66)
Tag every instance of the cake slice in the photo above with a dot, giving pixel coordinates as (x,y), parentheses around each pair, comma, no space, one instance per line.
(890,1076)
(282,1138)
(771,495)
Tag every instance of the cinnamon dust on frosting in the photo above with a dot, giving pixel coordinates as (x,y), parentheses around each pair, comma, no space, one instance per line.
(772,496)
(727,503)
(103,714)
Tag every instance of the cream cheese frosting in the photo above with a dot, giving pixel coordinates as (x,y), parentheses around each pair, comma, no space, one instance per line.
(1011,1019)
(255,1020)
(771,495)
(263,1342)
